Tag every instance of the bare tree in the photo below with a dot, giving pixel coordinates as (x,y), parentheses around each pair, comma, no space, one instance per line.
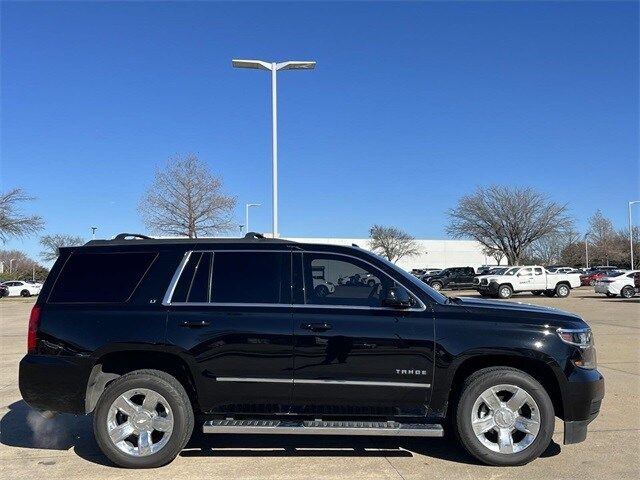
(606,246)
(51,244)
(549,249)
(186,199)
(496,253)
(14,223)
(509,219)
(392,243)
(15,265)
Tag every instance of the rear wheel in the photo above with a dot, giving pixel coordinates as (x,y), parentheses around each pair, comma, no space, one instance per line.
(436,286)
(628,292)
(504,416)
(143,419)
(562,290)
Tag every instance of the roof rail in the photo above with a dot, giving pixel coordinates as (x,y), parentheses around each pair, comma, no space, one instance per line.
(130,236)
(254,235)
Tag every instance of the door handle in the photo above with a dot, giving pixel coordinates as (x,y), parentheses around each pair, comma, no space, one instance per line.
(200,324)
(316,327)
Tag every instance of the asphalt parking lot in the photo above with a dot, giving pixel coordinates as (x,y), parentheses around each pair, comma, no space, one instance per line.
(63,447)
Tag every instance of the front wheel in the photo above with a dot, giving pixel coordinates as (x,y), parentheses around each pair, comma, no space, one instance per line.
(504,417)
(25,293)
(143,419)
(436,286)
(505,291)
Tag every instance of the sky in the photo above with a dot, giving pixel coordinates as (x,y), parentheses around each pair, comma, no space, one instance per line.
(411,106)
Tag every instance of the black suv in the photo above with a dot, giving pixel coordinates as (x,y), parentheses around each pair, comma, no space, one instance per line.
(455,278)
(152,334)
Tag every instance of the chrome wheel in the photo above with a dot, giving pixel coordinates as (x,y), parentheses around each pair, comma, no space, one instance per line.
(563,291)
(505,419)
(140,422)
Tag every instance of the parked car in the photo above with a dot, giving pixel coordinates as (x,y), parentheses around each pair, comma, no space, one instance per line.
(589,279)
(150,335)
(556,269)
(4,291)
(534,279)
(451,278)
(619,283)
(18,288)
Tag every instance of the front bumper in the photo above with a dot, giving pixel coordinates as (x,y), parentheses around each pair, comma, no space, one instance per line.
(582,398)
(54,383)
(491,288)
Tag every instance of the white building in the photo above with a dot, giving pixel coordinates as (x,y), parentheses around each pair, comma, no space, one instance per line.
(435,253)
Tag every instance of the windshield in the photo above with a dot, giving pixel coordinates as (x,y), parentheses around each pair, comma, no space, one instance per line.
(437,296)
(614,274)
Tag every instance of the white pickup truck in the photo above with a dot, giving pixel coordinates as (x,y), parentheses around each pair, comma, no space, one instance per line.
(534,279)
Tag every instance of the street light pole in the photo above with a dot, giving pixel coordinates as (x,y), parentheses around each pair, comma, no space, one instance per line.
(586,250)
(246,215)
(93,232)
(274,67)
(631,231)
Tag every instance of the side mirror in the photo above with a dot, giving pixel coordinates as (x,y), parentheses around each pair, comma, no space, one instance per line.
(397,297)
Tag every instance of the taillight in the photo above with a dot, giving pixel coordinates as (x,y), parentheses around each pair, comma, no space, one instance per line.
(34,320)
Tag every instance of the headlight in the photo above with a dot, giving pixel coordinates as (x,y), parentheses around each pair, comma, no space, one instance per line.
(585,355)
(580,337)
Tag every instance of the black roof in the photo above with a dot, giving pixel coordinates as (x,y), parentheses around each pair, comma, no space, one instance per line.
(139,239)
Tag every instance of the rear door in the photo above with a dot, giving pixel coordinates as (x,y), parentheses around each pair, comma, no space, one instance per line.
(466,279)
(539,280)
(352,354)
(230,315)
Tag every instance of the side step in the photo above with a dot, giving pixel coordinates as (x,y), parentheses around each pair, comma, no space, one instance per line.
(322,427)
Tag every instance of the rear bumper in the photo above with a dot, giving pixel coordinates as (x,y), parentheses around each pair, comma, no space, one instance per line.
(54,383)
(582,399)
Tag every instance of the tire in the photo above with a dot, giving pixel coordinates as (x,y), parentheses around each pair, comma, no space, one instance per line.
(505,291)
(321,291)
(180,411)
(436,286)
(592,283)
(25,293)
(628,292)
(563,290)
(537,409)
(611,295)
(537,292)
(549,293)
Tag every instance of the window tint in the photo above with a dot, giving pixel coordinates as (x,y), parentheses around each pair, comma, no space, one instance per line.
(193,285)
(100,277)
(250,277)
(336,280)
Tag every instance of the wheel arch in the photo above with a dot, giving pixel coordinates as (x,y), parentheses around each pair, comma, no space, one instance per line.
(536,367)
(114,364)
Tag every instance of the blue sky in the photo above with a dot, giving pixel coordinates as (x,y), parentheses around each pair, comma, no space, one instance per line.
(411,106)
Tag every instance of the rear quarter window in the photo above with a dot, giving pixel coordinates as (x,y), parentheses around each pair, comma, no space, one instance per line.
(100,277)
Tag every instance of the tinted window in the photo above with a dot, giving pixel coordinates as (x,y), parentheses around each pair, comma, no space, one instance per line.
(538,271)
(100,277)
(344,281)
(193,285)
(250,277)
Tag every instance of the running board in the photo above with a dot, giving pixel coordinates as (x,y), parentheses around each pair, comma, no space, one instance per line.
(321,427)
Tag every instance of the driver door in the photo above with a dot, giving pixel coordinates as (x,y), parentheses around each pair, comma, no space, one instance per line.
(350,350)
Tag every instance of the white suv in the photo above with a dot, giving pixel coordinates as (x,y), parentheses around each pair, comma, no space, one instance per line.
(23,289)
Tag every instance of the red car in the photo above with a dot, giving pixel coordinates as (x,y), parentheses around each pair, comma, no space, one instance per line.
(590,278)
